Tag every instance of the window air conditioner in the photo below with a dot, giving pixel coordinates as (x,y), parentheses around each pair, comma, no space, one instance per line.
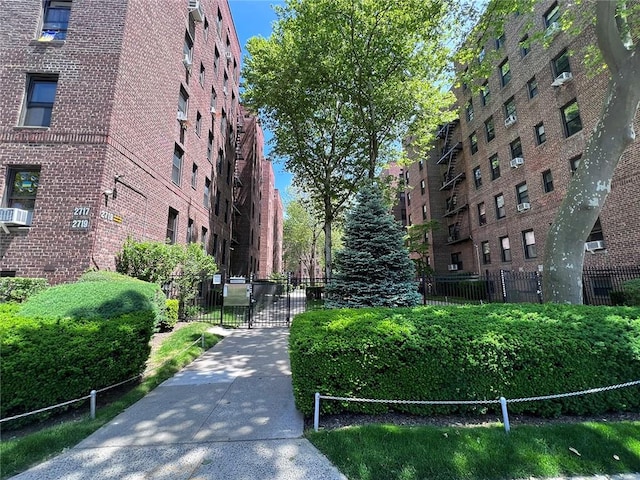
(182,117)
(187,62)
(561,79)
(552,29)
(228,55)
(516,162)
(213,109)
(195,9)
(510,120)
(593,246)
(524,206)
(14,216)
(450,239)
(453,266)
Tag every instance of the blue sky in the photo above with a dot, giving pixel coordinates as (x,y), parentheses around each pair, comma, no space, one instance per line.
(253,18)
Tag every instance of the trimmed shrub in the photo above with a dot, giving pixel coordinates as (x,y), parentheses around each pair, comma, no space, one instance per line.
(478,352)
(629,295)
(51,359)
(18,289)
(172,315)
(101,295)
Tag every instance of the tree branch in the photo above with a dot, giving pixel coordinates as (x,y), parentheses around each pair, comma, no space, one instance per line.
(613,51)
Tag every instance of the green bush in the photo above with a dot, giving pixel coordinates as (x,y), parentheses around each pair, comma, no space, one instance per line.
(50,359)
(172,315)
(629,295)
(478,352)
(148,261)
(18,289)
(101,295)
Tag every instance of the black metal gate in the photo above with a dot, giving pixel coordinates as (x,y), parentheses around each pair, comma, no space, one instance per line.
(268,304)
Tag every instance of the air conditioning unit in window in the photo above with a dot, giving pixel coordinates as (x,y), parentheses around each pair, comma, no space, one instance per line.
(523,207)
(213,109)
(225,91)
(14,216)
(552,29)
(516,162)
(510,120)
(593,246)
(561,79)
(228,55)
(187,62)
(182,117)
(453,267)
(195,9)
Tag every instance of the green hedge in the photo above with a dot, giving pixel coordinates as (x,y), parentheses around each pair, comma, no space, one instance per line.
(629,295)
(18,289)
(173,305)
(476,352)
(72,338)
(100,294)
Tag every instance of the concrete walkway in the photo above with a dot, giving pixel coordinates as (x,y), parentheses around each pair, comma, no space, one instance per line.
(230,415)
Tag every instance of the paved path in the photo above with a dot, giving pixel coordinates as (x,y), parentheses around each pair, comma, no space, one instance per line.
(230,415)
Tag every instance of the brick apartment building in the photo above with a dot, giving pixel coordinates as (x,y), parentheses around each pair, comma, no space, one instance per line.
(258,211)
(117,118)
(498,173)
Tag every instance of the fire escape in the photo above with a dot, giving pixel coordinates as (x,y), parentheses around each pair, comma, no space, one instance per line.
(238,195)
(452,178)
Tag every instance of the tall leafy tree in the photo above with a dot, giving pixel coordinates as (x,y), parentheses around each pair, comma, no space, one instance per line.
(617,31)
(373,268)
(301,239)
(339,82)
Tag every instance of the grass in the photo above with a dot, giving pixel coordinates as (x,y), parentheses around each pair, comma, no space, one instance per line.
(178,350)
(386,452)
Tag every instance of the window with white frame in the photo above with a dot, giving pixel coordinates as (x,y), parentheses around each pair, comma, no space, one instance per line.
(176,170)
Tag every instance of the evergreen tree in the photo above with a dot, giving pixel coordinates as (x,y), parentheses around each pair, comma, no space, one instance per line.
(373,268)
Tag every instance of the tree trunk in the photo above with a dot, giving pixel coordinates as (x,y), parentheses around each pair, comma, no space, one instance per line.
(328,221)
(564,249)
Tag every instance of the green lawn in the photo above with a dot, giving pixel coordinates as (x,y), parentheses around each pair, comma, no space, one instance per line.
(386,452)
(177,350)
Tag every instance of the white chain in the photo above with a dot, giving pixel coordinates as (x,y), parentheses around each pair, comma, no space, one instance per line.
(480,402)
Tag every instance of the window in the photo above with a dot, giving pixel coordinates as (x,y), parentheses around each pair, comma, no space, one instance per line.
(490,129)
(596,232)
(494,165)
(194,176)
(571,118)
(500,209)
(205,30)
(206,197)
(172,225)
(477,177)
(532,87)
(552,15)
(473,142)
(420,164)
(228,173)
(481,55)
(505,73)
(183,102)
(214,101)
(574,163)
(482,214)
(219,24)
(547,181)
(220,160)
(216,62)
(486,253)
(500,41)
(217,205)
(55,20)
(456,259)
(522,193)
(469,110)
(226,211)
(509,107)
(176,171)
(529,242)
(541,137)
(201,77)
(210,146)
(22,188)
(485,94)
(204,238)
(505,249)
(408,197)
(424,212)
(516,148)
(187,48)
(560,63)
(41,94)
(198,123)
(191,234)
(525,46)
(225,84)
(423,187)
